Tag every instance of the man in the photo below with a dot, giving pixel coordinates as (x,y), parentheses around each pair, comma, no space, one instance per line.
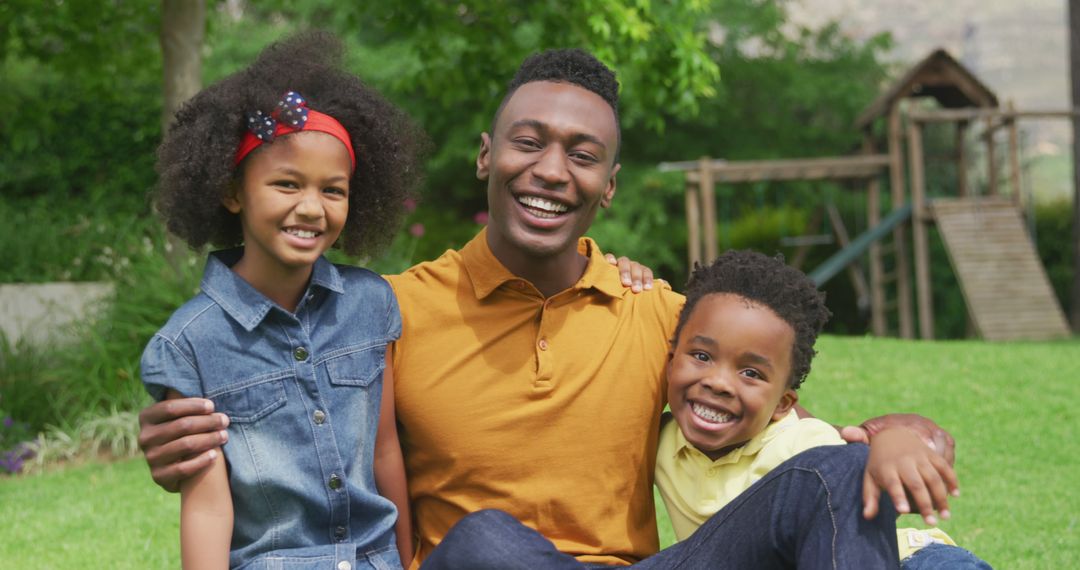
(528,379)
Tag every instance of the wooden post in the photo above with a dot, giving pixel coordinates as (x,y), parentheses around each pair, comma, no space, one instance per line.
(693,223)
(991,159)
(708,208)
(961,159)
(896,182)
(919,222)
(878,324)
(854,271)
(1014,156)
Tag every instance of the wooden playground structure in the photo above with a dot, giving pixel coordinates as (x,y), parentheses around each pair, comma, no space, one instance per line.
(1005,287)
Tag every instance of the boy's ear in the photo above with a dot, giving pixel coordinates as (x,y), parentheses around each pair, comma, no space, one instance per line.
(787,401)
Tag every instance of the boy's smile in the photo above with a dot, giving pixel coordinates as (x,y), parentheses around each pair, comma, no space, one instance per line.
(729,373)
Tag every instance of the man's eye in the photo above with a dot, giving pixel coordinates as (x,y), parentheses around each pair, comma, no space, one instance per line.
(700,356)
(527,142)
(584,157)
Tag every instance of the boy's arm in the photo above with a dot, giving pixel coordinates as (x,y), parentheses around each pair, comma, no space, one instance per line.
(902,465)
(928,431)
(390,465)
(206,516)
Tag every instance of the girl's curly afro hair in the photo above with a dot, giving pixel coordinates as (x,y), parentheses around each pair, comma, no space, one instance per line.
(195,160)
(769,282)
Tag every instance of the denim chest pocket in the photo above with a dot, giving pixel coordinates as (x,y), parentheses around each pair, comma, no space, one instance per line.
(252,399)
(357,366)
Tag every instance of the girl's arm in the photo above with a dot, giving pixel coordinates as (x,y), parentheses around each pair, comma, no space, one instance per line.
(390,466)
(206,515)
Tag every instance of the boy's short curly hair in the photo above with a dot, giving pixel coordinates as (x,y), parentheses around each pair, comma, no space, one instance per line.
(769,282)
(195,160)
(575,66)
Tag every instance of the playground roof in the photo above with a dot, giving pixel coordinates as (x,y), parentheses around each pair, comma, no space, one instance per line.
(938,76)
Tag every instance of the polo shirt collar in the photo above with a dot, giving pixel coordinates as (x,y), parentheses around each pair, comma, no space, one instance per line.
(244,303)
(684,448)
(487,273)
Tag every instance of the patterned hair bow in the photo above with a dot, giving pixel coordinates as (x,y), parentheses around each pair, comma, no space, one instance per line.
(292,110)
(291,115)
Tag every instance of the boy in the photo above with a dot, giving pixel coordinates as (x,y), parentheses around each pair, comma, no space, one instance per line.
(742,347)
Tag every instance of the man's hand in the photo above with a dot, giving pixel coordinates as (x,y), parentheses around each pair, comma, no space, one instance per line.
(903,467)
(932,435)
(633,274)
(180,438)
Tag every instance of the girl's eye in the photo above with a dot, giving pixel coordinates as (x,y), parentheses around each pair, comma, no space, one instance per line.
(700,356)
(285,183)
(336,191)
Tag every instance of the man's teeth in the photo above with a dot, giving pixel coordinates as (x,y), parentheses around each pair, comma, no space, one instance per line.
(542,208)
(301,233)
(711,414)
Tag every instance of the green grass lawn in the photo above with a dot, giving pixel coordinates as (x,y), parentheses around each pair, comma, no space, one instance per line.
(1011,408)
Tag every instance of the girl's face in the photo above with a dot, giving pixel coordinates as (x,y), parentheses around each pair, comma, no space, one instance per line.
(293,202)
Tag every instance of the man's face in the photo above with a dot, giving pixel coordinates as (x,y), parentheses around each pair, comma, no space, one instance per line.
(549,165)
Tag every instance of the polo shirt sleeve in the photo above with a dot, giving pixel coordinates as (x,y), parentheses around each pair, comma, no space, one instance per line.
(807,433)
(393,313)
(164,366)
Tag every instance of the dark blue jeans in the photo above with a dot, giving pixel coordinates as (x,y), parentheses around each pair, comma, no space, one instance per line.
(807,513)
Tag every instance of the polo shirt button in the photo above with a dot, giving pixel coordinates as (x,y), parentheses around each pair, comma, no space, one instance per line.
(543,344)
(335,482)
(319,416)
(344,565)
(300,354)
(339,533)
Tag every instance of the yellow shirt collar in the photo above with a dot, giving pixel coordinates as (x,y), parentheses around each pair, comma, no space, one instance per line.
(685,449)
(487,273)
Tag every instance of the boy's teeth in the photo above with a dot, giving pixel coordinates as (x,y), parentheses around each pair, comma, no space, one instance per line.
(542,208)
(711,414)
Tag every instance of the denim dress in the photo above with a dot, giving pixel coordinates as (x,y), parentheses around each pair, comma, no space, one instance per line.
(302,393)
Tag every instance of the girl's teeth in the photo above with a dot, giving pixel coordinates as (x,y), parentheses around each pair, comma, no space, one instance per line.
(302,233)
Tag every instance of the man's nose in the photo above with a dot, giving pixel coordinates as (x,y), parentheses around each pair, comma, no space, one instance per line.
(551,168)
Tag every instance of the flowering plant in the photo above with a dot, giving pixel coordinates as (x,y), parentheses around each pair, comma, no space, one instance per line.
(14,444)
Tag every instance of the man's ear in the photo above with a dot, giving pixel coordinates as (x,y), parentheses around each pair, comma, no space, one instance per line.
(609,192)
(787,401)
(483,158)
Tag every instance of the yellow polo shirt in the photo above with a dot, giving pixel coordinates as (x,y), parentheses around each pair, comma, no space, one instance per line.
(695,487)
(547,408)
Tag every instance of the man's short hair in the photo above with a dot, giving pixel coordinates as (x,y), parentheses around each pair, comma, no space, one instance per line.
(575,66)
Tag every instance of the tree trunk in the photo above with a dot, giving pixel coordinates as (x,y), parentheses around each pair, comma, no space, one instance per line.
(182,25)
(1074,66)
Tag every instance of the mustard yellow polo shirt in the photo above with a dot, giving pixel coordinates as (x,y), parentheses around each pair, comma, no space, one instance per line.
(547,408)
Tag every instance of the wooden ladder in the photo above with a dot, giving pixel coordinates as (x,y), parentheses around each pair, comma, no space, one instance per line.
(1004,284)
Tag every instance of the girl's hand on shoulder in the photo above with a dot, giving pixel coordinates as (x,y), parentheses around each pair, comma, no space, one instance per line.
(632,274)
(903,466)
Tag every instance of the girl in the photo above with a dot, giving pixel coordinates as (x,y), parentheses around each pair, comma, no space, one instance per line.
(289,157)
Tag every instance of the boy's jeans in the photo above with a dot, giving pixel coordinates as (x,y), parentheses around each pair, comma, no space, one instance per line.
(807,513)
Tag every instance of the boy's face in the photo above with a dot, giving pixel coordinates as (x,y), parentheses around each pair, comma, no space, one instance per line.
(728,374)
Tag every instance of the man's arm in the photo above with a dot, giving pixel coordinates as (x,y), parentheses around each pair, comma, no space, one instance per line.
(929,432)
(390,465)
(180,438)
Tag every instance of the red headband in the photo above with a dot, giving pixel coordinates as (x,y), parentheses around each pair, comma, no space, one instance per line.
(292,115)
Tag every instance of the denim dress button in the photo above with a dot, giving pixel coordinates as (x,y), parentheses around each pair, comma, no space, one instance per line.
(319,416)
(335,482)
(300,353)
(344,565)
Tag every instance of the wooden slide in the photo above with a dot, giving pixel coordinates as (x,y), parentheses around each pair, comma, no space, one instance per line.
(1005,286)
